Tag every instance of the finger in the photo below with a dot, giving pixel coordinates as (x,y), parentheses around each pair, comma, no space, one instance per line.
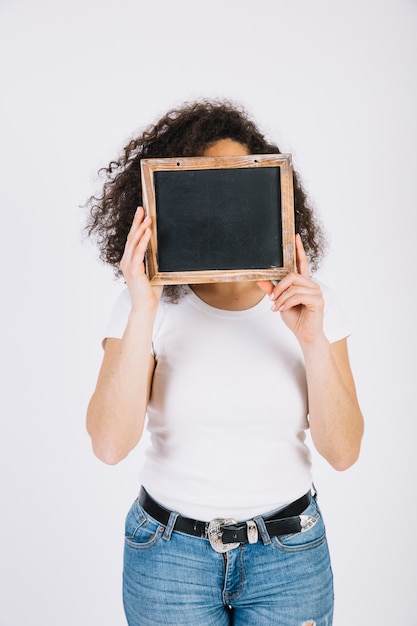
(290,280)
(139,227)
(136,243)
(138,219)
(309,297)
(301,257)
(132,261)
(139,213)
(139,251)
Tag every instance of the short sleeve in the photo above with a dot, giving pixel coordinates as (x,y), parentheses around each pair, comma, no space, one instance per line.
(118,318)
(336,323)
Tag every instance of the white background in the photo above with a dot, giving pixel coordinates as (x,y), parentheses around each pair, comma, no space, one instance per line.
(332,82)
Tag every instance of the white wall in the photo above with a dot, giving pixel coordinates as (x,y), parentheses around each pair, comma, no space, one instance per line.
(331,82)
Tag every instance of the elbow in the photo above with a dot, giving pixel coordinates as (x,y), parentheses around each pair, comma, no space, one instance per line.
(341,450)
(111,450)
(115,423)
(344,460)
(343,464)
(111,445)
(108,454)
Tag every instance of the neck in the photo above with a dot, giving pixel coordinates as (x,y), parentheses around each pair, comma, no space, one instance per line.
(233,296)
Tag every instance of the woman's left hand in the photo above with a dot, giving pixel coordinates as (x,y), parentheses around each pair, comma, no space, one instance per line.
(299,299)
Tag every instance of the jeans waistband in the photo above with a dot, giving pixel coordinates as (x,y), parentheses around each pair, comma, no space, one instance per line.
(225,534)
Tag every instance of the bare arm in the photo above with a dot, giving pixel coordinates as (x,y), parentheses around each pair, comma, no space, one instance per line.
(336,421)
(116,412)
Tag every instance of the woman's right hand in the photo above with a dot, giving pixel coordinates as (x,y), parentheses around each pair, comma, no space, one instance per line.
(117,409)
(144,296)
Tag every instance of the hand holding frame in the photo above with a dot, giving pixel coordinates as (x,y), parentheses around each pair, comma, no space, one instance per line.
(299,299)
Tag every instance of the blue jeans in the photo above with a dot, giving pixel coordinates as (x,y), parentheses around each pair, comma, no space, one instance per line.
(173,578)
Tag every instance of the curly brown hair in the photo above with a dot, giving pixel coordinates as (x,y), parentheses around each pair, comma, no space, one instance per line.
(186,131)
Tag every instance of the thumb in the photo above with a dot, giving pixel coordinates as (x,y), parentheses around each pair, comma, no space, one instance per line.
(266,285)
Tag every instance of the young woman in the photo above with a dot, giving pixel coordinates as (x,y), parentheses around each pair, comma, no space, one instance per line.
(226,527)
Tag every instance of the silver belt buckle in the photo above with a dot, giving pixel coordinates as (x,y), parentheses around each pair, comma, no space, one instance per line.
(214,534)
(252,531)
(307,522)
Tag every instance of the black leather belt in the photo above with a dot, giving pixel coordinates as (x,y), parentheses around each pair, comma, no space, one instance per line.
(225,534)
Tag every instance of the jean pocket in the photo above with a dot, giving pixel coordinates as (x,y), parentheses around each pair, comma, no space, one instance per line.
(304,540)
(141,530)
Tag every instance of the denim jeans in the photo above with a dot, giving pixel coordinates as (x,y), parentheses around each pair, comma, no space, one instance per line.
(173,578)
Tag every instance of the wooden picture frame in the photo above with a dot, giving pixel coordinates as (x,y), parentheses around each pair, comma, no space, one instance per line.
(218,219)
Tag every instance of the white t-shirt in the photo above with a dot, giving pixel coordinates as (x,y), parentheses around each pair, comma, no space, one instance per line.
(228,409)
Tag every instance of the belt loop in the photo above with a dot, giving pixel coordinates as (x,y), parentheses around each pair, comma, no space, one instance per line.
(266,539)
(170,526)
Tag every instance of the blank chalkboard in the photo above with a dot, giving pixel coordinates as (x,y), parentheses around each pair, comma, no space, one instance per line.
(219,218)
